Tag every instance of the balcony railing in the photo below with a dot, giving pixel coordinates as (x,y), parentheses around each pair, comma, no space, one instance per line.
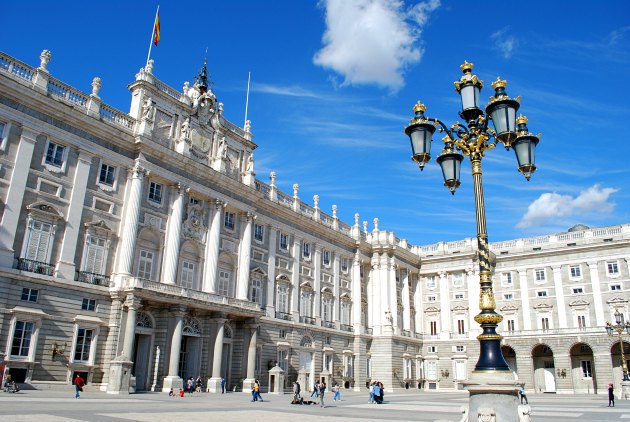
(307,320)
(328,324)
(283,315)
(92,278)
(406,333)
(346,327)
(35,266)
(553,331)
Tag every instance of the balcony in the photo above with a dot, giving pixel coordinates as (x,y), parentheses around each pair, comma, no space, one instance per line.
(283,315)
(459,335)
(328,324)
(346,327)
(406,333)
(553,331)
(307,320)
(92,278)
(36,267)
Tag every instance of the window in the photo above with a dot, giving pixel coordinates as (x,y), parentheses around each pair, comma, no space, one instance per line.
(541,293)
(54,154)
(581,319)
(282,333)
(30,295)
(612,267)
(578,291)
(306,250)
(38,241)
(95,254)
(107,175)
(193,200)
(228,220)
(544,323)
(460,349)
(344,265)
(256,290)
(4,135)
(511,326)
(430,282)
(145,264)
(460,370)
(187,279)
(259,232)
(327,340)
(305,304)
(615,287)
(459,296)
(283,299)
(408,368)
(282,360)
(327,304)
(540,275)
(155,192)
(433,328)
(432,369)
(508,296)
(431,298)
(20,346)
(587,372)
(284,241)
(461,326)
(224,287)
(458,279)
(506,279)
(83,345)
(348,372)
(88,304)
(326,258)
(346,307)
(431,349)
(575,271)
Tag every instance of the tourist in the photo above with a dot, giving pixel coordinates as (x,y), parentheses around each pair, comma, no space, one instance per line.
(181,392)
(296,391)
(190,386)
(611,395)
(222,385)
(337,393)
(522,395)
(171,393)
(257,391)
(371,400)
(378,399)
(315,389)
(322,390)
(78,385)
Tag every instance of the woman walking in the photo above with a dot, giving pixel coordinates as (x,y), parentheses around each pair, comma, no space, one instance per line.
(337,393)
(611,395)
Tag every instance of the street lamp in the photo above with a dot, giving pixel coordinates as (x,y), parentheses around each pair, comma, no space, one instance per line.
(618,330)
(473,140)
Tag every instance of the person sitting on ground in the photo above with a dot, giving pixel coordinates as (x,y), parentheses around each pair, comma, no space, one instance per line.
(181,392)
(171,393)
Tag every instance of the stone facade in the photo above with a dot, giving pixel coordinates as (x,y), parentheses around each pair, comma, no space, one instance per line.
(139,249)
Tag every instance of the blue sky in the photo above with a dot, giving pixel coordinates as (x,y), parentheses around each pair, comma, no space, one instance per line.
(334,82)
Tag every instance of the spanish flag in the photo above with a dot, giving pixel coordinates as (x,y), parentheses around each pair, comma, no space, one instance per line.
(156,28)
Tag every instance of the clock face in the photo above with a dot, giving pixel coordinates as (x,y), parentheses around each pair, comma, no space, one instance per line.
(199,141)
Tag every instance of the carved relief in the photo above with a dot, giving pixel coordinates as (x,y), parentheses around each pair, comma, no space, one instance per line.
(194,227)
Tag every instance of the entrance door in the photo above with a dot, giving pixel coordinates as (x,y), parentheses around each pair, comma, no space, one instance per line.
(306,363)
(550,377)
(227,362)
(189,357)
(141,362)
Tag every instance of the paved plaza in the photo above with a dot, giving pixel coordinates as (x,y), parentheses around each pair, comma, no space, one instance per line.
(58,406)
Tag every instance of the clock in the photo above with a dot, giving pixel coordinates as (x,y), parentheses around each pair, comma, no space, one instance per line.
(198,141)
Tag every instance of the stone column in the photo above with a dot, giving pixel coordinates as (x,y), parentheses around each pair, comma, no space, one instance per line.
(271,272)
(417,300)
(248,382)
(597,294)
(173,237)
(244,252)
(66,265)
(472,281)
(133,303)
(129,225)
(337,289)
(445,308)
(214,383)
(173,380)
(212,249)
(356,292)
(376,312)
(392,293)
(527,319)
(15,196)
(405,301)
(562,311)
(317,282)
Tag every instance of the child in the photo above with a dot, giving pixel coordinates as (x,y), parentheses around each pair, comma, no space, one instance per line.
(171,393)
(181,393)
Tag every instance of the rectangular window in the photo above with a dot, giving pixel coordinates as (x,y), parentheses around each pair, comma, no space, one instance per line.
(284,242)
(305,304)
(575,271)
(259,232)
(326,258)
(107,176)
(328,340)
(22,338)
(431,349)
(541,293)
(84,343)
(578,291)
(433,328)
(458,280)
(30,295)
(224,283)
(461,326)
(327,309)
(615,287)
(306,250)
(145,264)
(587,371)
(459,296)
(155,192)
(282,333)
(540,275)
(430,282)
(511,325)
(460,349)
(54,154)
(344,265)
(544,323)
(612,267)
(88,304)
(39,237)
(228,220)
(283,360)
(506,279)
(508,296)
(581,319)
(193,201)
(188,274)
(95,255)
(431,298)
(283,299)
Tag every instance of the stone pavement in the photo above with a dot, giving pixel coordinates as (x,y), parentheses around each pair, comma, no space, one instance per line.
(61,406)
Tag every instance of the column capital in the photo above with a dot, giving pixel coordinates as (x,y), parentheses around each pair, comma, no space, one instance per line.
(29,135)
(219,316)
(133,302)
(556,268)
(592,264)
(181,189)
(178,310)
(138,171)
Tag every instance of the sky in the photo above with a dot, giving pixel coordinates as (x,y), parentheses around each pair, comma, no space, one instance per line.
(333,84)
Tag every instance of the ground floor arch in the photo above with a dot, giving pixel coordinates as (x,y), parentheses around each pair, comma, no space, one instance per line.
(582,372)
(544,369)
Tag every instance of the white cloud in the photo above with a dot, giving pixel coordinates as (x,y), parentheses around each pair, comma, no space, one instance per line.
(506,44)
(288,91)
(373,41)
(552,206)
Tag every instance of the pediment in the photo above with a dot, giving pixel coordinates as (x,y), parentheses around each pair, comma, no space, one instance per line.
(98,225)
(460,308)
(46,209)
(258,270)
(543,306)
(509,308)
(579,302)
(617,299)
(431,309)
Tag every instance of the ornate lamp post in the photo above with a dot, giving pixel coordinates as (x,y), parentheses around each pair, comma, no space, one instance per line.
(473,139)
(618,330)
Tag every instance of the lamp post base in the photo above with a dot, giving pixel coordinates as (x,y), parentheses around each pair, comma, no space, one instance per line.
(494,397)
(625,390)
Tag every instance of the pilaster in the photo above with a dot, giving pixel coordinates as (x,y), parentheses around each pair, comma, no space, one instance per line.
(244,260)
(527,318)
(212,248)
(597,294)
(562,311)
(173,237)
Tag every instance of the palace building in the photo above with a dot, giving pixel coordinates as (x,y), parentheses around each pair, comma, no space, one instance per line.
(140,249)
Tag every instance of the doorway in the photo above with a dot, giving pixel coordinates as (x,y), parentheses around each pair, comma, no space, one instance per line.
(142,361)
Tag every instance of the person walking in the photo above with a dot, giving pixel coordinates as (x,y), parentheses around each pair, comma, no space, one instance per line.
(222,385)
(257,390)
(522,395)
(79,382)
(322,390)
(611,395)
(337,393)
(315,389)
(371,400)
(296,391)
(190,386)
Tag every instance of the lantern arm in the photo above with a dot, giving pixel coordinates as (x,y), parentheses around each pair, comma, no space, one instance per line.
(455,131)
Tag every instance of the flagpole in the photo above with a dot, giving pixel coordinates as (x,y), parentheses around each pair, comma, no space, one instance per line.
(152,34)
(249,74)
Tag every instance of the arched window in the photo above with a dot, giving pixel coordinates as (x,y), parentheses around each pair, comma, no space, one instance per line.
(191,327)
